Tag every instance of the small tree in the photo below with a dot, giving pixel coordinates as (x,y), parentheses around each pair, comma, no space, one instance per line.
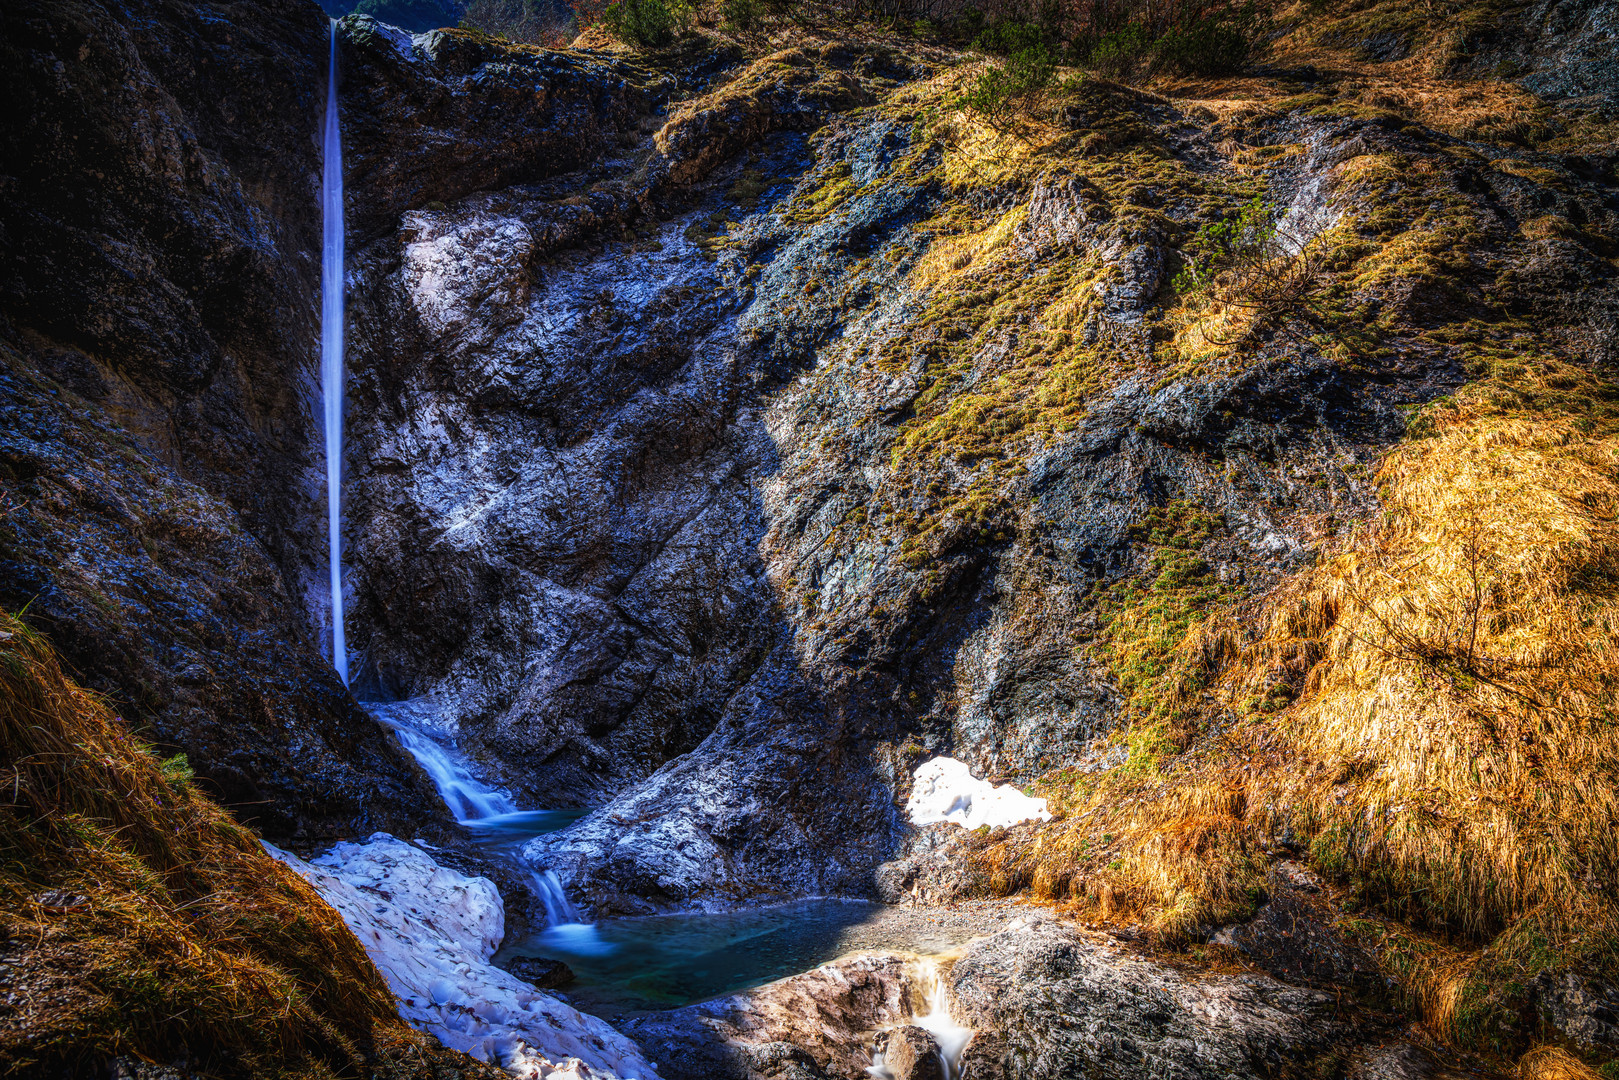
(647,23)
(1001,90)
(1248,265)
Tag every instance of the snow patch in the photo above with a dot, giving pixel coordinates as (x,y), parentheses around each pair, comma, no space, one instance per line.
(945,790)
(431,930)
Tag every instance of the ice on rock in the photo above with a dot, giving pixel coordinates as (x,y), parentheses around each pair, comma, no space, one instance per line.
(946,790)
(431,930)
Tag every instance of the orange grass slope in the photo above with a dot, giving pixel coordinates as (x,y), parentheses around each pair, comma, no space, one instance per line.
(1432,712)
(1455,753)
(137,918)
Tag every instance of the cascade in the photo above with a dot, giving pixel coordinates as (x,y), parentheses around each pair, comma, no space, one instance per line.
(468,799)
(331,347)
(493,814)
(950,1036)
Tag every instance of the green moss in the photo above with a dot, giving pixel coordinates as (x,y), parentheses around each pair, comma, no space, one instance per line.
(817,204)
(1147,618)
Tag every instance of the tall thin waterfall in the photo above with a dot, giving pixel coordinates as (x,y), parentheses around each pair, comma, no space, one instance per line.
(331,349)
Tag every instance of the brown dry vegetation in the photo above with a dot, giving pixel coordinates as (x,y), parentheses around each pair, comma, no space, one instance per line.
(139,919)
(1429,713)
(1447,743)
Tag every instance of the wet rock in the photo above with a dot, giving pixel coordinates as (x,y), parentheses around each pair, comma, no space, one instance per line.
(1292,937)
(540,972)
(1584,1009)
(810,1025)
(912,1054)
(1400,1061)
(437,116)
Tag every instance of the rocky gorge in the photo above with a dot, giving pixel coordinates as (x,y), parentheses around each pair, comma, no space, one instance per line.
(736,427)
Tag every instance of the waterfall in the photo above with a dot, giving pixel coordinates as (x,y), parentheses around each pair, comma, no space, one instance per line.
(468,799)
(331,348)
(558,909)
(565,929)
(930,985)
(485,810)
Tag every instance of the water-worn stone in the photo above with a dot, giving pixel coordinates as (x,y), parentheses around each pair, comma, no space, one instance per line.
(811,1025)
(1062,1006)
(911,1053)
(540,972)
(1293,938)
(431,932)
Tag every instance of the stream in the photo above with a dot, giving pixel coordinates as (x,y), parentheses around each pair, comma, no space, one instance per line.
(666,961)
(631,966)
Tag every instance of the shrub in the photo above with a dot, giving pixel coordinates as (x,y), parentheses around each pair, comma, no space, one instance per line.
(1000,91)
(647,23)
(532,22)
(1006,38)
(1118,55)
(1212,46)
(740,14)
(1253,275)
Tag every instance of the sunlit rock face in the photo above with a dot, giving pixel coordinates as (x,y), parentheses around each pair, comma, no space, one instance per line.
(632,462)
(650,494)
(1015,987)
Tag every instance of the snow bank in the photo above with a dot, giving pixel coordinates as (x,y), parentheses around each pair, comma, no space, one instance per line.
(431,930)
(946,791)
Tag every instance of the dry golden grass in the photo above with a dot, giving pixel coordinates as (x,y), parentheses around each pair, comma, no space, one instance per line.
(1433,709)
(949,256)
(1554,1063)
(1470,674)
(140,919)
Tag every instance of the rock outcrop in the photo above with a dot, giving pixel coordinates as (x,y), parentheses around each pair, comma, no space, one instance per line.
(1047,1003)
(819,1024)
(647,507)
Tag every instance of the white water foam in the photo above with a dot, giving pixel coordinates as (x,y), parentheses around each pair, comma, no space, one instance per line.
(950,1036)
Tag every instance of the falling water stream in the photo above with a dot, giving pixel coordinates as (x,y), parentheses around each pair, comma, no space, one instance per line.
(331,347)
(492,816)
(489,813)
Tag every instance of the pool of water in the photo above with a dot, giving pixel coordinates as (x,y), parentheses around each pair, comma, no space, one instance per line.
(510,830)
(631,966)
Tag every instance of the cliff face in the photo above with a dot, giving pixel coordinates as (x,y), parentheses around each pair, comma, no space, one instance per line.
(727,479)
(158,284)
